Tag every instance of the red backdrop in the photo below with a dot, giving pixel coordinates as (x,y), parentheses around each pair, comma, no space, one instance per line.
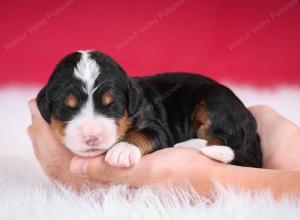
(242,41)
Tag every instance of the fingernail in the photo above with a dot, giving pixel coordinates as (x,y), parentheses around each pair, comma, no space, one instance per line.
(79,166)
(32,108)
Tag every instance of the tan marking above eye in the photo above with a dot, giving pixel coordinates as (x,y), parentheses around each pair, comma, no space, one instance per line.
(71,101)
(107,98)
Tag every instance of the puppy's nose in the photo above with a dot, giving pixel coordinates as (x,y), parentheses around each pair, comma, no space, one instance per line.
(92,140)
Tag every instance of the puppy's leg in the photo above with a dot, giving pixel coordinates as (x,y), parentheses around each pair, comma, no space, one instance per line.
(136,144)
(196,143)
(222,120)
(213,147)
(123,154)
(217,152)
(128,152)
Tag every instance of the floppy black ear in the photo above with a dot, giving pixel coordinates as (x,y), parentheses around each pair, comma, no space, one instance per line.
(134,98)
(44,104)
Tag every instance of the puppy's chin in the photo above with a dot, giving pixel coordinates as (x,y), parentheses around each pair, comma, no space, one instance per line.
(86,151)
(90,153)
(83,150)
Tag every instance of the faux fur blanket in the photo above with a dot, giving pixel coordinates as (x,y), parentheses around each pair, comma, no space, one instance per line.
(25,193)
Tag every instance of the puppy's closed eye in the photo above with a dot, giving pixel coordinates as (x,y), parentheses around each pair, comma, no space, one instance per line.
(107,98)
(71,101)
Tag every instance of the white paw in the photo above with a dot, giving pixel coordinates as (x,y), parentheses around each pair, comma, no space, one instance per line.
(218,152)
(192,143)
(123,155)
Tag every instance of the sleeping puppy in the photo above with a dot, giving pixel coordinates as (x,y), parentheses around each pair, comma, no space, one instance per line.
(94,108)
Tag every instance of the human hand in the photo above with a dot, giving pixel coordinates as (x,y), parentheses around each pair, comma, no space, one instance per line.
(174,166)
(280,139)
(273,129)
(53,157)
(167,165)
(171,165)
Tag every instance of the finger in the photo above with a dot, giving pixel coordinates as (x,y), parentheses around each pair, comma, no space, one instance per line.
(78,166)
(97,169)
(31,135)
(32,107)
(36,116)
(36,150)
(40,130)
(30,132)
(34,139)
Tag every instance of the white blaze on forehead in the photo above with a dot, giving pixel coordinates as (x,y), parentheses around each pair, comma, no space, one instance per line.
(87,70)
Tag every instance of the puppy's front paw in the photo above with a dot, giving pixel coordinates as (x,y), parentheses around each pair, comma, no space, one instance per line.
(123,155)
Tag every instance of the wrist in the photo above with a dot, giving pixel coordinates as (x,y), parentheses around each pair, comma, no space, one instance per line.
(204,172)
(175,169)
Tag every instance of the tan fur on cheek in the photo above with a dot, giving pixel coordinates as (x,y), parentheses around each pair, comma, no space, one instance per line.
(123,125)
(58,127)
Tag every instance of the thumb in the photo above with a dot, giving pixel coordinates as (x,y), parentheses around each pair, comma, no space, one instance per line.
(97,169)
(78,165)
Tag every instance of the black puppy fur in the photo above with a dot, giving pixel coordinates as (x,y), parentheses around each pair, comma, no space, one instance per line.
(160,110)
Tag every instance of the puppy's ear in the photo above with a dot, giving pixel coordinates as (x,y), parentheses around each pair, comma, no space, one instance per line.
(44,105)
(134,98)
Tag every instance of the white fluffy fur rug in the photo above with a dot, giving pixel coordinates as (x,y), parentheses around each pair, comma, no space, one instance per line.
(25,192)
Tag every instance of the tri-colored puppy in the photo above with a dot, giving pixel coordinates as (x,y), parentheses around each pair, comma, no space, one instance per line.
(95,108)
